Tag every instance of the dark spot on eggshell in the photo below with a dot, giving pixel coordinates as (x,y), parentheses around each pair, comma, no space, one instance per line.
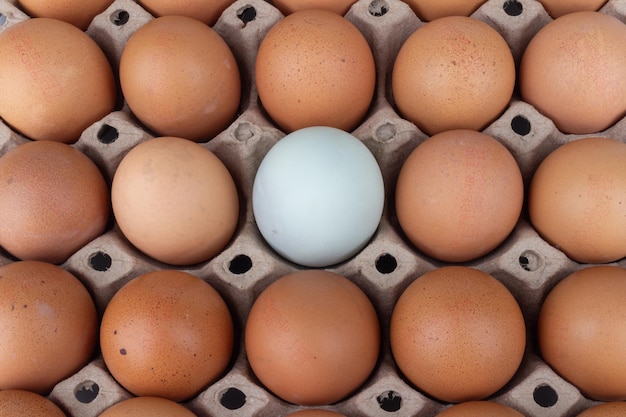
(123,351)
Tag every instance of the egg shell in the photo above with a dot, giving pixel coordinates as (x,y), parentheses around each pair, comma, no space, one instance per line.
(525,262)
(167,334)
(205,11)
(55,79)
(479,409)
(581,315)
(312,337)
(457,334)
(27,404)
(147,407)
(315,68)
(336,6)
(610,409)
(53,201)
(428,10)
(78,13)
(48,326)
(558,8)
(577,59)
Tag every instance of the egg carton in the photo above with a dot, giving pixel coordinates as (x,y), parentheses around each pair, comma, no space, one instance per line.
(524,262)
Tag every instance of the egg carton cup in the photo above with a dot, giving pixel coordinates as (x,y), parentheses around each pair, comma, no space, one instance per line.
(524,262)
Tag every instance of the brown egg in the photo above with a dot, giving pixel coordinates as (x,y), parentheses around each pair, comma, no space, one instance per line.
(455,72)
(479,409)
(577,59)
(459,195)
(205,11)
(167,334)
(457,334)
(78,13)
(48,326)
(55,80)
(175,200)
(315,68)
(312,337)
(558,8)
(180,78)
(582,331)
(287,7)
(27,404)
(315,413)
(53,201)
(610,409)
(434,9)
(147,407)
(577,197)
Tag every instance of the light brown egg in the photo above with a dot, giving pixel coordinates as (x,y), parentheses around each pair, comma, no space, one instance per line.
(79,13)
(175,200)
(55,80)
(572,71)
(582,331)
(48,326)
(180,78)
(312,337)
(287,7)
(558,8)
(167,334)
(205,11)
(455,72)
(459,195)
(479,409)
(457,334)
(147,407)
(610,409)
(428,10)
(53,201)
(315,68)
(24,403)
(577,198)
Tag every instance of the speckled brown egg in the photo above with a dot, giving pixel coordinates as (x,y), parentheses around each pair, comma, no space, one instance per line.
(572,71)
(78,13)
(180,78)
(457,334)
(205,11)
(455,72)
(558,8)
(167,334)
(48,326)
(480,409)
(147,407)
(577,198)
(312,337)
(459,194)
(55,80)
(434,9)
(175,200)
(315,68)
(582,331)
(53,201)
(27,404)
(610,409)
(315,412)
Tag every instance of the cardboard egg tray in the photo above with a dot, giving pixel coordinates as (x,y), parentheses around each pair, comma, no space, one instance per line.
(525,263)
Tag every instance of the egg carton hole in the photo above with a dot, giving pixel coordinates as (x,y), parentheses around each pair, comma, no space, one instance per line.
(120,17)
(390,401)
(545,396)
(520,125)
(107,134)
(100,261)
(530,260)
(513,7)
(246,14)
(378,8)
(86,392)
(233,398)
(240,264)
(386,263)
